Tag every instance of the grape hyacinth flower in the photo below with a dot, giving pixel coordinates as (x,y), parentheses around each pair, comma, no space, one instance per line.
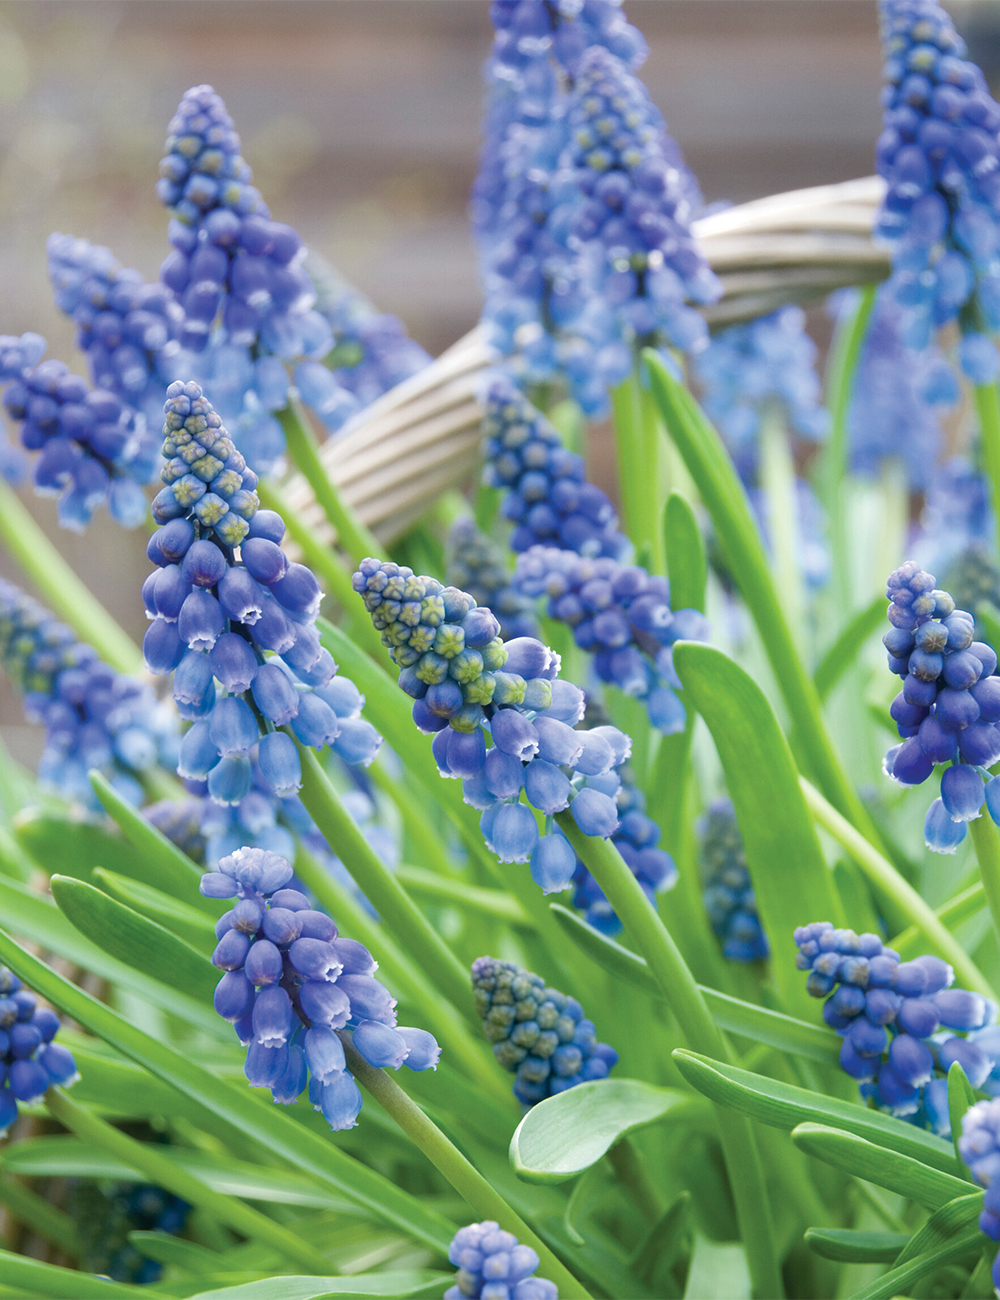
(979,1147)
(957,531)
(92,446)
(291,985)
(940,157)
(476,564)
(548,498)
(894,1018)
(622,616)
(947,708)
(637,840)
(227,606)
(105,1215)
(492,1264)
(30,1062)
(467,684)
(537,1033)
(728,891)
(94,717)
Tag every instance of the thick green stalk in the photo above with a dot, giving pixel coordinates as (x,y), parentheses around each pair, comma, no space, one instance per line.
(987,842)
(380,886)
(988,406)
(352,534)
(60,588)
(150,1160)
(684,998)
(890,883)
(485,1202)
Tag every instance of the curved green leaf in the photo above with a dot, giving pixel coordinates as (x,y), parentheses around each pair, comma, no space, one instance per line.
(852,1247)
(950,1219)
(565,1134)
(718,1271)
(116,1087)
(175,1252)
(687,564)
(839,657)
(899,1281)
(875,1164)
(791,882)
(32,1277)
(399,1285)
(192,925)
(135,940)
(782,1105)
(74,847)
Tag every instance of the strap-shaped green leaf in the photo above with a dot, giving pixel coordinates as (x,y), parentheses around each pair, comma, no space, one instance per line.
(189,923)
(687,564)
(262,1123)
(567,1133)
(852,1247)
(31,1277)
(135,940)
(899,1281)
(791,882)
(944,1224)
(74,847)
(875,1164)
(782,1105)
(399,1285)
(839,657)
(961,1096)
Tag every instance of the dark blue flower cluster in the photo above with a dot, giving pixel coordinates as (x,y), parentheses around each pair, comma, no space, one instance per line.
(127,330)
(228,256)
(493,1265)
(246,620)
(636,839)
(548,498)
(940,155)
(889,1014)
(466,683)
(105,1213)
(94,717)
(621,614)
(291,984)
(979,1147)
(728,893)
(476,564)
(92,446)
(30,1062)
(537,1033)
(947,708)
(751,368)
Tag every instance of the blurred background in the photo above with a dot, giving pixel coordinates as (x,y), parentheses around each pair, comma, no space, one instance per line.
(360,119)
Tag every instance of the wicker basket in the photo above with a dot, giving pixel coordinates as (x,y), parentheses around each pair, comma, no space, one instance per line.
(423,436)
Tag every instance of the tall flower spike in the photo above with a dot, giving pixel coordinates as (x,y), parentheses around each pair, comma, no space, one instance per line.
(494,1265)
(728,893)
(537,1033)
(227,606)
(947,708)
(92,447)
(891,1016)
(940,157)
(548,498)
(476,564)
(94,717)
(291,986)
(467,684)
(979,1147)
(30,1062)
(620,614)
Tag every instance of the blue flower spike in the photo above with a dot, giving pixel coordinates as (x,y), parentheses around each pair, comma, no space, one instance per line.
(293,987)
(979,1147)
(493,1265)
(30,1062)
(728,892)
(537,1033)
(478,565)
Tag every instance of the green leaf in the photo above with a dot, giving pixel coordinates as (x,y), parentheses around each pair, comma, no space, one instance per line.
(74,847)
(687,564)
(790,878)
(175,1252)
(116,1087)
(565,1134)
(166,867)
(950,1219)
(875,1164)
(847,646)
(718,1271)
(899,1281)
(757,1023)
(261,1122)
(39,920)
(852,1247)
(782,1105)
(961,1096)
(32,1277)
(135,940)
(195,927)
(396,1285)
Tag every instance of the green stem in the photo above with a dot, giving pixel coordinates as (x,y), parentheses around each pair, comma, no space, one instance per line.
(149,1160)
(652,474)
(891,884)
(627,436)
(684,998)
(988,406)
(632,1175)
(352,534)
(987,842)
(61,589)
(39,1215)
(424,836)
(380,886)
(777,471)
(844,356)
(496,903)
(957,909)
(485,1202)
(328,566)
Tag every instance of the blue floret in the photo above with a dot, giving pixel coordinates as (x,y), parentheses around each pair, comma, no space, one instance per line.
(30,1062)
(492,1264)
